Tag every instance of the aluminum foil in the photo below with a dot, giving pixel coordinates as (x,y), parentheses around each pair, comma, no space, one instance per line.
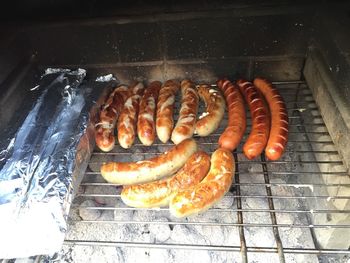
(44,163)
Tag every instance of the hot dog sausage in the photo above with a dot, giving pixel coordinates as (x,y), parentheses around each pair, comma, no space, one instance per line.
(209,121)
(158,193)
(149,170)
(165,110)
(236,125)
(213,187)
(127,119)
(259,134)
(146,130)
(109,114)
(279,119)
(188,112)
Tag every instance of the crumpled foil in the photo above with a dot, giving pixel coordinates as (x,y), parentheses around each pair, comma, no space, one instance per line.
(44,163)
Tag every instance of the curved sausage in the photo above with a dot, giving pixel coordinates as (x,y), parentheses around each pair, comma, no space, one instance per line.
(149,170)
(236,125)
(109,114)
(127,120)
(188,112)
(259,134)
(146,130)
(165,110)
(213,187)
(279,119)
(209,121)
(158,193)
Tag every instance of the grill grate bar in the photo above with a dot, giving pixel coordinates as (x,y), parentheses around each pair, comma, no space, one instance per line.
(272,213)
(315,211)
(262,162)
(240,184)
(344,173)
(216,224)
(239,152)
(205,247)
(239,213)
(244,196)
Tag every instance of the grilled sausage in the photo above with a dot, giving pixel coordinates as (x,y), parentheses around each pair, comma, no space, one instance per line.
(158,193)
(146,130)
(213,187)
(127,119)
(188,112)
(149,170)
(279,119)
(109,114)
(259,134)
(165,110)
(209,121)
(236,125)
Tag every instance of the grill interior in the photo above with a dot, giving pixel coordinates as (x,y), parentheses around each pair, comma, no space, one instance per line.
(274,210)
(295,210)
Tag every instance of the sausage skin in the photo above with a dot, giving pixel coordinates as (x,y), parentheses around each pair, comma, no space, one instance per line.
(213,187)
(209,121)
(159,193)
(166,164)
(236,125)
(188,112)
(279,119)
(146,129)
(259,112)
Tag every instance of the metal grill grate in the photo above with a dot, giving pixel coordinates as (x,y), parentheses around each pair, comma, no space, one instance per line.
(298,198)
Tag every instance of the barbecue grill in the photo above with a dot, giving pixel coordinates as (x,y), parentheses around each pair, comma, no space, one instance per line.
(295,209)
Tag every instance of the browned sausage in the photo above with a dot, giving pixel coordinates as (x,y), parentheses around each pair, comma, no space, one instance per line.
(236,126)
(259,134)
(128,117)
(214,186)
(165,109)
(160,192)
(152,169)
(185,125)
(279,119)
(209,121)
(146,129)
(109,114)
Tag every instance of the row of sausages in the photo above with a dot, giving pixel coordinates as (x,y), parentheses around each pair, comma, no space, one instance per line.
(150,111)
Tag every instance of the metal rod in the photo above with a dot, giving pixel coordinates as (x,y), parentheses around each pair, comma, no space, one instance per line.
(312,211)
(263,162)
(245,196)
(296,185)
(204,247)
(239,213)
(216,224)
(344,173)
(272,214)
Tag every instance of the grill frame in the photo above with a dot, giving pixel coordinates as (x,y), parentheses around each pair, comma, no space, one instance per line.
(297,111)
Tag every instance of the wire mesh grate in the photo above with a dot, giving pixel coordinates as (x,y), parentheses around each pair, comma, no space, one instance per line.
(290,204)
